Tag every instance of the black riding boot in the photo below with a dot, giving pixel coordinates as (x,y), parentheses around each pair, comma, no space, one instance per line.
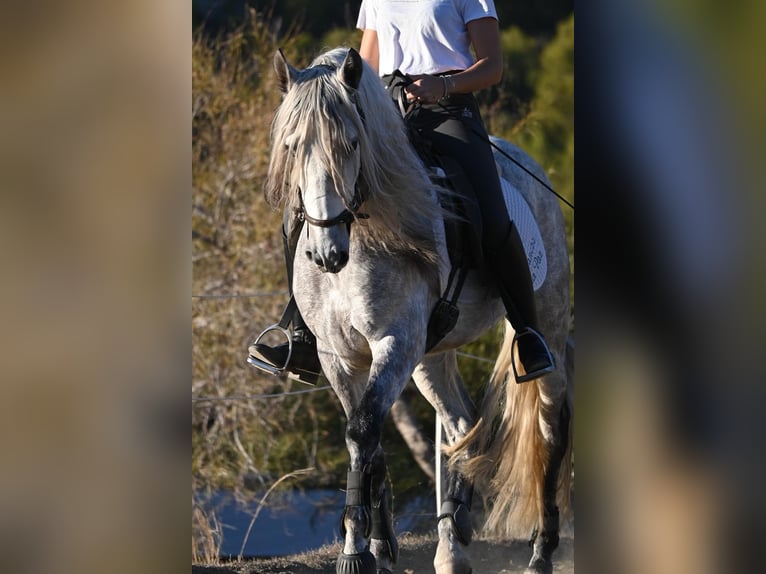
(303,362)
(511,270)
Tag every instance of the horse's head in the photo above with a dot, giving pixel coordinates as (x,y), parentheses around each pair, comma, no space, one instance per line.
(315,153)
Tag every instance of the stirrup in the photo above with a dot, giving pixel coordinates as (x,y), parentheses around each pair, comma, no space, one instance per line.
(534,374)
(263,365)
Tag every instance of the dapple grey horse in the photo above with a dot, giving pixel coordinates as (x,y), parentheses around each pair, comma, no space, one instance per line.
(370,267)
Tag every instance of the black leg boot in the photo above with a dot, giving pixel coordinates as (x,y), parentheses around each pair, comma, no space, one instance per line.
(303,363)
(511,270)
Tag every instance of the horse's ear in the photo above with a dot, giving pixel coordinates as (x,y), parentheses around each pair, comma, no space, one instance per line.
(285,72)
(351,70)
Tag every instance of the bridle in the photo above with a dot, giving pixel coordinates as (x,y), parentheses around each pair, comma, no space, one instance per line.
(347,216)
(351,212)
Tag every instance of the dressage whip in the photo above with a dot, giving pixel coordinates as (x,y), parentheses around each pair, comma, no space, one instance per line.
(400,99)
(490,142)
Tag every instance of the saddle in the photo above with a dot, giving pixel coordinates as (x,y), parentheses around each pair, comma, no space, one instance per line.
(463,237)
(463,231)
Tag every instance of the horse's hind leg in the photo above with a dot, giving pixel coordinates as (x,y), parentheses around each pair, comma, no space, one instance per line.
(440,383)
(545,539)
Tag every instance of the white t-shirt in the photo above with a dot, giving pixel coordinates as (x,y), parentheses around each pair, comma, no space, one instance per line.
(423,36)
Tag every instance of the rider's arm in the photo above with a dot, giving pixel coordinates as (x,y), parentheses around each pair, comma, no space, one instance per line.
(368,48)
(488,69)
(486,72)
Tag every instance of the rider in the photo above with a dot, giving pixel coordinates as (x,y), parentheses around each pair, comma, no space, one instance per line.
(433,48)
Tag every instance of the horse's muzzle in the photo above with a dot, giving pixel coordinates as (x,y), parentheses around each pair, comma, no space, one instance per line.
(332,262)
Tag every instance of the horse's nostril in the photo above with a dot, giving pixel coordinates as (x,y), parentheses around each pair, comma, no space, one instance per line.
(318,260)
(308,255)
(343,258)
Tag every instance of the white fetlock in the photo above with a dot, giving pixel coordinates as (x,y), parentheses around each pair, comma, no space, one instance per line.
(451,556)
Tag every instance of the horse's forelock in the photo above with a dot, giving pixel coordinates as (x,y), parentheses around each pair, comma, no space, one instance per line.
(318,108)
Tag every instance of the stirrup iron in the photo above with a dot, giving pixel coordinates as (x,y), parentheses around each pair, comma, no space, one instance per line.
(264,366)
(529,331)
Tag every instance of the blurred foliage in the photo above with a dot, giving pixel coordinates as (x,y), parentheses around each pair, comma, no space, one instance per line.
(547,131)
(507,103)
(246,445)
(536,17)
(340,37)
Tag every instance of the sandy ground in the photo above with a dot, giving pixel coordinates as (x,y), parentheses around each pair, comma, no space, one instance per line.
(416,554)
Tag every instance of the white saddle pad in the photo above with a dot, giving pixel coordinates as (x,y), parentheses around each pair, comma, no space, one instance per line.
(521,215)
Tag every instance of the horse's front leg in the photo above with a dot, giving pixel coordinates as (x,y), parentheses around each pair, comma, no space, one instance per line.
(366,515)
(383,544)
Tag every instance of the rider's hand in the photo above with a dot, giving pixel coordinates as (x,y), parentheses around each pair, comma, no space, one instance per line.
(425,88)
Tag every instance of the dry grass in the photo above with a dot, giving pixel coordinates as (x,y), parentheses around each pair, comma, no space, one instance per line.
(242,446)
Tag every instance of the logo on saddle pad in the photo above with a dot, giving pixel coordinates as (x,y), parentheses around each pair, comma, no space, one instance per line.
(521,215)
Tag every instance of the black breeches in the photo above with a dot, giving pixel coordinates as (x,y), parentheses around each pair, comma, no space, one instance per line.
(455,128)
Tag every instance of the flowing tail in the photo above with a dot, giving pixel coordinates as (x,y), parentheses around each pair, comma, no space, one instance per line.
(508,450)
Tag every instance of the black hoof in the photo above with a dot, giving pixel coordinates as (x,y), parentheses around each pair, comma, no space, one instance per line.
(363,563)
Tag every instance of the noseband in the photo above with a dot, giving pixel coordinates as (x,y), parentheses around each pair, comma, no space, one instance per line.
(347,216)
